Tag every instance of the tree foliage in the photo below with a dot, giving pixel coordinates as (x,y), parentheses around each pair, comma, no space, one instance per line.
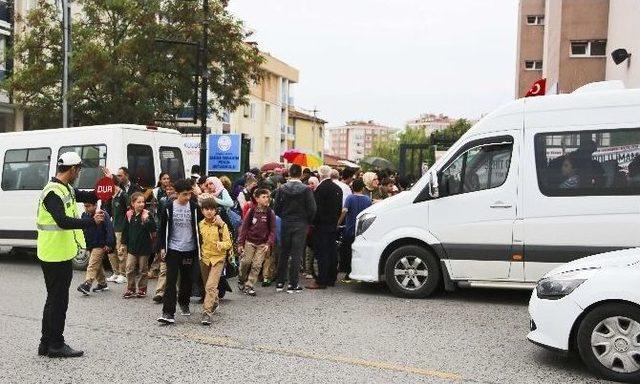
(119,72)
(390,149)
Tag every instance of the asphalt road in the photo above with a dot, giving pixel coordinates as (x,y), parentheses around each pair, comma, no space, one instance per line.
(356,333)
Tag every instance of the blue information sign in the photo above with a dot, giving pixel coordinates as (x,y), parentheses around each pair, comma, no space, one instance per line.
(223,153)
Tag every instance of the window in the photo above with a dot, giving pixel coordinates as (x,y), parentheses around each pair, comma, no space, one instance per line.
(596,48)
(535,20)
(481,167)
(25,169)
(533,65)
(267,113)
(140,164)
(93,158)
(171,162)
(588,163)
(252,111)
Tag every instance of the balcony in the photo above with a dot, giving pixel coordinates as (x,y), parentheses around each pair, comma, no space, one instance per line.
(291,132)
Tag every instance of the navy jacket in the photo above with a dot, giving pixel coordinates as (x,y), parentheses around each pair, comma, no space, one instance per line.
(101,235)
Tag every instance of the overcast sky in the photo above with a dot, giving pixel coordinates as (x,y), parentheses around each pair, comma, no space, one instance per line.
(390,60)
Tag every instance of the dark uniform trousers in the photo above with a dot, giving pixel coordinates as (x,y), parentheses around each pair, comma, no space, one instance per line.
(57,278)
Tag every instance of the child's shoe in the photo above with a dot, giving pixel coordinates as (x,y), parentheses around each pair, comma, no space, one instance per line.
(279,287)
(142,293)
(184,310)
(266,283)
(100,288)
(206,319)
(84,288)
(129,294)
(249,291)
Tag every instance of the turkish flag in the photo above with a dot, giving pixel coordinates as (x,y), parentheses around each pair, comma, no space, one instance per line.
(538,88)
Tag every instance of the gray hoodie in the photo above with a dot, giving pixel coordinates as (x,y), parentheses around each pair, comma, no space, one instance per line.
(294,203)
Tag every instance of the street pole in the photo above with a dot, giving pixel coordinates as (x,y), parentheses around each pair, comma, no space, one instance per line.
(204,90)
(65,63)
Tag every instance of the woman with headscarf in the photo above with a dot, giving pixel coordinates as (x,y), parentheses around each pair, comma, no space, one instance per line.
(213,188)
(372,187)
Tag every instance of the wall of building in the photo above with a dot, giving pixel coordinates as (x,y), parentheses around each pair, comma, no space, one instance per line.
(530,44)
(581,20)
(624,32)
(309,135)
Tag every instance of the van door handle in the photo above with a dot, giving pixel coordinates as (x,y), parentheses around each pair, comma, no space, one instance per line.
(500,204)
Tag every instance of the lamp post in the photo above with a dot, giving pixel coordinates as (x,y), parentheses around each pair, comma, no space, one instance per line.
(205,89)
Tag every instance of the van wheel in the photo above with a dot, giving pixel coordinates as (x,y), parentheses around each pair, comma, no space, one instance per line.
(81,261)
(412,271)
(608,340)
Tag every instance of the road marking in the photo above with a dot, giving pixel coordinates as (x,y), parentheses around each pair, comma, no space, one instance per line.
(230,343)
(361,362)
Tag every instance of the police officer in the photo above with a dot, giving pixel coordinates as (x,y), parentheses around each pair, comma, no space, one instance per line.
(60,238)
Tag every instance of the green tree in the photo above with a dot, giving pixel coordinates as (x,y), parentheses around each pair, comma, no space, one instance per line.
(119,72)
(390,149)
(451,134)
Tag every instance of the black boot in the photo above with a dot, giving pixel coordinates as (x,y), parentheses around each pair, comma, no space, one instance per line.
(64,352)
(43,349)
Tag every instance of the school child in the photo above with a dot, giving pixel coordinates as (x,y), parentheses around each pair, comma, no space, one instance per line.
(101,240)
(216,242)
(137,243)
(257,238)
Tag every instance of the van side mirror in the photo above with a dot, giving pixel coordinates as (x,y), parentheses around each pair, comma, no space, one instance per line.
(433,185)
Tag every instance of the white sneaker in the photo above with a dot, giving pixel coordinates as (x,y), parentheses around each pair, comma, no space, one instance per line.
(113,278)
(121,279)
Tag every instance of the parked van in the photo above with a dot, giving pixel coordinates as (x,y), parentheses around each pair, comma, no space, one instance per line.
(28,161)
(537,183)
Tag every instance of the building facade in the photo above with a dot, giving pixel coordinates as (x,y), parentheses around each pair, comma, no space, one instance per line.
(564,41)
(430,123)
(308,132)
(265,118)
(355,140)
(624,32)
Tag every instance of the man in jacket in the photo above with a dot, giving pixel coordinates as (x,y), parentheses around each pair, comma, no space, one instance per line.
(328,196)
(179,248)
(60,238)
(296,207)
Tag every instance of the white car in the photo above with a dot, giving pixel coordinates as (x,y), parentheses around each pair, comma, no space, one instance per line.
(592,306)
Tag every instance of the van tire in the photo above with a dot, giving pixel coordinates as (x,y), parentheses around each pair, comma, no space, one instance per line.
(419,265)
(588,326)
(81,261)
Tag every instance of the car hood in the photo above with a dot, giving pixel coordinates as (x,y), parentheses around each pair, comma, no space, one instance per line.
(614,259)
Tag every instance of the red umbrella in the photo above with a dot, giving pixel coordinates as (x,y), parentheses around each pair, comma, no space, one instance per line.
(270,167)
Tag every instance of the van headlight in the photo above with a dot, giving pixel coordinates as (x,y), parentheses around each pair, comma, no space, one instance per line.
(559,286)
(364,222)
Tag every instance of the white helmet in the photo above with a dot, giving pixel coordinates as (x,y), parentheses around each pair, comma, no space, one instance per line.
(69,159)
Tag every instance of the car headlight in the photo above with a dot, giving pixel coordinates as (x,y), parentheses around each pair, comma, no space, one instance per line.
(559,286)
(364,222)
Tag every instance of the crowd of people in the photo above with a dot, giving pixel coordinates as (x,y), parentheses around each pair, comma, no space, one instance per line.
(265,228)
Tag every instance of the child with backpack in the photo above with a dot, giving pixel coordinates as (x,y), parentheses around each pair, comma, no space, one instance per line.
(137,243)
(256,240)
(101,240)
(216,243)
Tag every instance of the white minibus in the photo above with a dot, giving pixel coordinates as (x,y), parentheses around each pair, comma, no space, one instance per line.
(537,183)
(28,161)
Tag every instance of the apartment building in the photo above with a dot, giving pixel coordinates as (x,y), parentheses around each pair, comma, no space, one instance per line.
(355,140)
(308,131)
(7,111)
(430,123)
(564,41)
(265,118)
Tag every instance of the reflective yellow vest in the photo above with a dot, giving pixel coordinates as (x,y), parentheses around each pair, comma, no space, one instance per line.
(54,243)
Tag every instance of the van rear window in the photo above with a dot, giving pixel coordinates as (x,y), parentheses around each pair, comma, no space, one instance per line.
(584,163)
(140,164)
(171,162)
(94,156)
(25,169)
